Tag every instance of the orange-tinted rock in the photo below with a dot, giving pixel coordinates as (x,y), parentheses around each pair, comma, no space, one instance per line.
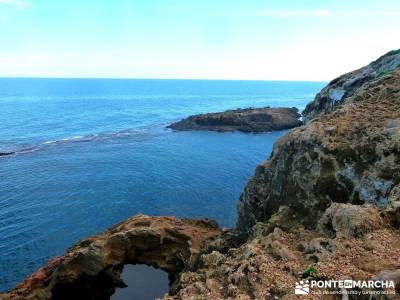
(91,268)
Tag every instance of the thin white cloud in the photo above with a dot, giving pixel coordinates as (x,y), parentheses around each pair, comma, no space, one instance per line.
(16,3)
(367,13)
(294,13)
(324,13)
(381,13)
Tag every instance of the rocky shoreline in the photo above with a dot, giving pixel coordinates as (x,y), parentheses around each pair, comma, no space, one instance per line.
(251,119)
(91,269)
(325,205)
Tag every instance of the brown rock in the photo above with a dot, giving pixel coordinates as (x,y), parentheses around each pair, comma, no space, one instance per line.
(320,249)
(91,268)
(349,221)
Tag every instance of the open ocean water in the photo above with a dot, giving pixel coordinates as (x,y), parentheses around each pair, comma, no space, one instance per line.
(93,152)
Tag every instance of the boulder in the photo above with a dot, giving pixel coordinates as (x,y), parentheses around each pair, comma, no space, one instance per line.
(349,221)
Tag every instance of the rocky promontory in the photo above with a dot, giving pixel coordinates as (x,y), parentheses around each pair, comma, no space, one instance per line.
(340,90)
(325,206)
(246,120)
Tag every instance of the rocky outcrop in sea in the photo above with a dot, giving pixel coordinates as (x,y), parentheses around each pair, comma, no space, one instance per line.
(246,120)
(324,206)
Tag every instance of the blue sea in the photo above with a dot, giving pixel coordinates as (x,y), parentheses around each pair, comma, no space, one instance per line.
(93,152)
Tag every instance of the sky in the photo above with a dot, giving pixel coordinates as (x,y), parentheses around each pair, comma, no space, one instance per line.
(306,40)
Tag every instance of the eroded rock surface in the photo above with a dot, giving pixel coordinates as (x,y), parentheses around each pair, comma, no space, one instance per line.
(348,221)
(339,90)
(91,269)
(329,196)
(245,120)
(351,155)
(269,264)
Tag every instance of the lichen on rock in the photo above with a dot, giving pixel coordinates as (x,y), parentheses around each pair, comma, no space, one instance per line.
(349,221)
(339,90)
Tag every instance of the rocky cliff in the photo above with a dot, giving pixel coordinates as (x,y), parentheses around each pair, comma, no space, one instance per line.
(245,120)
(339,90)
(350,155)
(325,205)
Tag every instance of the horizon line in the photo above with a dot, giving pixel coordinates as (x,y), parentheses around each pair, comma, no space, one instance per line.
(147,78)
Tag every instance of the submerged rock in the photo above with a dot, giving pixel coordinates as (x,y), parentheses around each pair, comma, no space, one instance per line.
(6,153)
(245,120)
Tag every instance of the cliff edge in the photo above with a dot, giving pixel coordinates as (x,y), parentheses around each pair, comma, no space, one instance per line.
(340,90)
(350,155)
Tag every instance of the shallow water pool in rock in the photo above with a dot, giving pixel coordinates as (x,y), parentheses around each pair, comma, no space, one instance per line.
(144,283)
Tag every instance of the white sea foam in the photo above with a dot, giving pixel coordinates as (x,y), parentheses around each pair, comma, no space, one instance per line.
(84,138)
